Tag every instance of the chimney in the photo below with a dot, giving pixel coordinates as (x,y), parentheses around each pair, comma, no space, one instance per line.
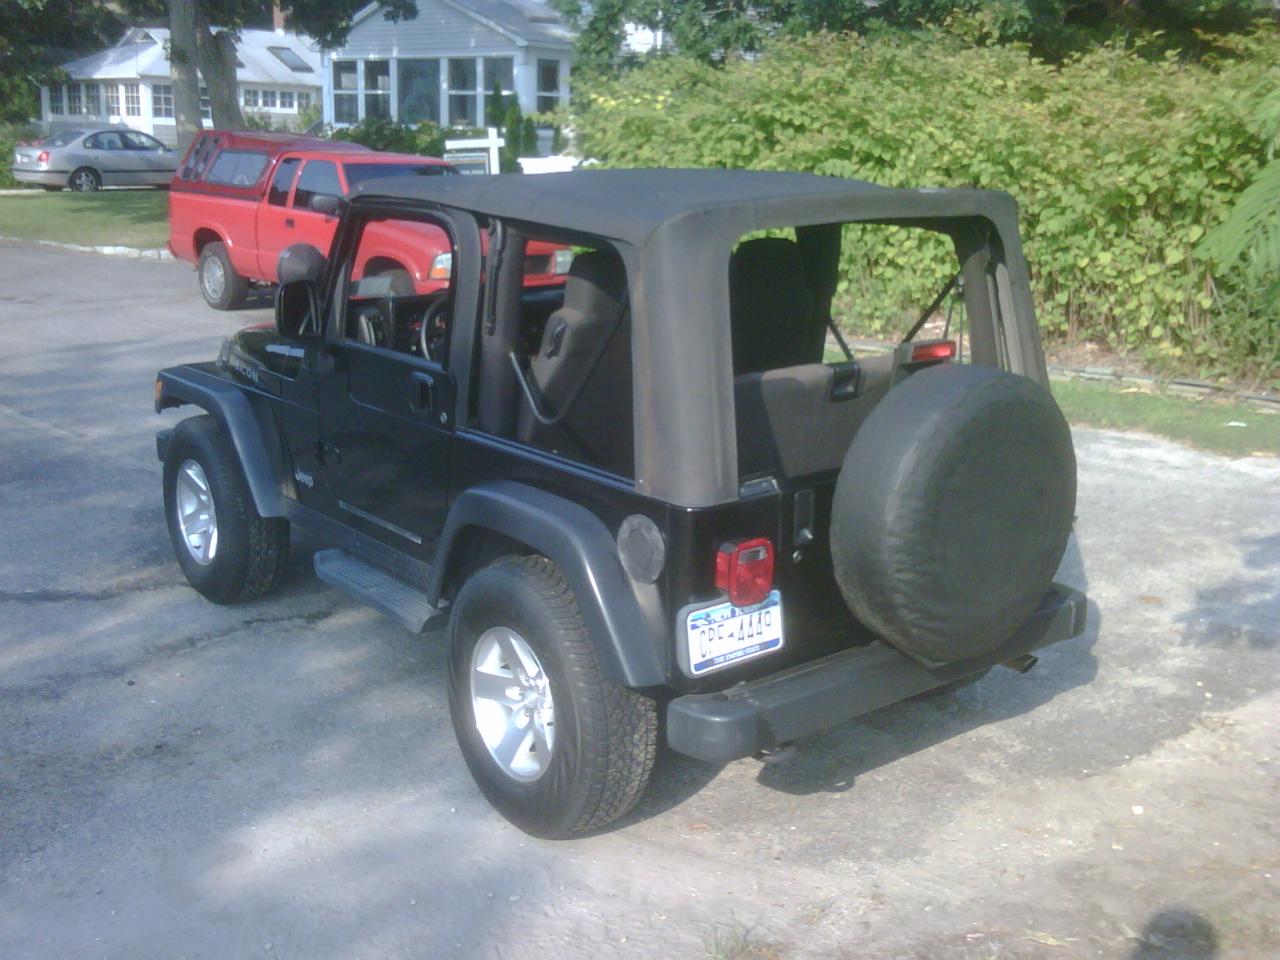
(277,18)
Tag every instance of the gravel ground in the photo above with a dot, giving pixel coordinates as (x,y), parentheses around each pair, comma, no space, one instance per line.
(280,779)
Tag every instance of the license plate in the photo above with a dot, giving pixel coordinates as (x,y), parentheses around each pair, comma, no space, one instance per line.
(724,635)
(21,158)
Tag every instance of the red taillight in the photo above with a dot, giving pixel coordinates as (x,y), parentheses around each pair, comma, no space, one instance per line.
(744,570)
(42,156)
(933,351)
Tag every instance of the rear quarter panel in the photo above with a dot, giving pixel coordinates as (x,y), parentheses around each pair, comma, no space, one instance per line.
(195,215)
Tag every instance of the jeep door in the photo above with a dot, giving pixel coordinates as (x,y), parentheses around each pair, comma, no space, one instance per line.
(386,408)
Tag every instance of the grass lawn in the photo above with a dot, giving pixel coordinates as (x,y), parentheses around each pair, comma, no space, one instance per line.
(126,218)
(1222,427)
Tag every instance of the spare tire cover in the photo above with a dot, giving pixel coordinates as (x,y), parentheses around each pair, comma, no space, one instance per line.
(952,510)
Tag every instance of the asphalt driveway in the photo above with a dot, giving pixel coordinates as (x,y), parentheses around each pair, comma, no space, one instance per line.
(280,779)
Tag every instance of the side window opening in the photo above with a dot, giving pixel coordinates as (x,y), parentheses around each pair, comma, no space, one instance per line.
(318,178)
(237,168)
(817,336)
(557,353)
(282,182)
(398,299)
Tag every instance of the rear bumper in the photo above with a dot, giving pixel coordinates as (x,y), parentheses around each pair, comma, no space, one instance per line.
(42,178)
(761,714)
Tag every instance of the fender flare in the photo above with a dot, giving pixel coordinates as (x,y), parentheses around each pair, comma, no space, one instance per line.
(624,619)
(232,409)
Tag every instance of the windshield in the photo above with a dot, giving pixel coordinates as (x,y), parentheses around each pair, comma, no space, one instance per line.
(63,138)
(358,173)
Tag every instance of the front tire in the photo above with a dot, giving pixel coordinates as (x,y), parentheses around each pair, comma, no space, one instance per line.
(85,180)
(220,285)
(557,748)
(226,550)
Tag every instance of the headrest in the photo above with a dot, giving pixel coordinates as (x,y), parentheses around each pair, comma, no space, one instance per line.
(766,264)
(597,284)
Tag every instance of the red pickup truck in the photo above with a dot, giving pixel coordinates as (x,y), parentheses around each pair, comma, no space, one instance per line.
(240,198)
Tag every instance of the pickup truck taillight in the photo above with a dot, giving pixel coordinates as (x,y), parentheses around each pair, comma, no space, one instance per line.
(744,570)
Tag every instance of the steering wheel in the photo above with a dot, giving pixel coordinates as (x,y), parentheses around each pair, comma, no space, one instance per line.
(434,329)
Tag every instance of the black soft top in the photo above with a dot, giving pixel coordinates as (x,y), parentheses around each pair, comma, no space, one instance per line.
(675,230)
(630,205)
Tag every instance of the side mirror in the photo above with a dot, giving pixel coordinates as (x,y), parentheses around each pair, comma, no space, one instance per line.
(326,203)
(297,310)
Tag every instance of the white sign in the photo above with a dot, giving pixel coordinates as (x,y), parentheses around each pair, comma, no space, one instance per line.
(469,148)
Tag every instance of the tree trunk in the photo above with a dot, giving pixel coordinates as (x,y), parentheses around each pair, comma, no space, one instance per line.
(218,65)
(182,68)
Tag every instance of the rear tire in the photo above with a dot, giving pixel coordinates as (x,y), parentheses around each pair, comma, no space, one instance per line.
(226,550)
(85,180)
(604,735)
(220,285)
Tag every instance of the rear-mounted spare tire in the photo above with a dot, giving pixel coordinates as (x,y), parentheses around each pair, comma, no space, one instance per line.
(952,510)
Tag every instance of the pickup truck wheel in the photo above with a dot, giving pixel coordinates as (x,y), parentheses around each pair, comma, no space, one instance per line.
(226,550)
(222,287)
(557,748)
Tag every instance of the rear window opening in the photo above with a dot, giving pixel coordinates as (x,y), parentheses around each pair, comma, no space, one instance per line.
(819,316)
(555,361)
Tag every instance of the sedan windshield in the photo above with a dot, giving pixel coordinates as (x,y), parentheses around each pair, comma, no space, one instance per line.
(358,173)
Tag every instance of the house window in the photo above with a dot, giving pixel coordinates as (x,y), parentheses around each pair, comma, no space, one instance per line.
(548,85)
(92,99)
(162,100)
(286,99)
(206,105)
(463,95)
(499,74)
(251,98)
(346,101)
(112,92)
(418,91)
(55,98)
(377,88)
(73,98)
(132,100)
(304,99)
(269,99)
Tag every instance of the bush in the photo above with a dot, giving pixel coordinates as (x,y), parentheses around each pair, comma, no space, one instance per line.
(1120,164)
(11,135)
(381,133)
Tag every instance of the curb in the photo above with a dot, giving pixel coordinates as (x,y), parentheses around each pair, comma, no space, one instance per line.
(133,253)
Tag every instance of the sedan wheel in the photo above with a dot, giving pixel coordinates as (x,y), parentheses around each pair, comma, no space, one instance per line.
(85,180)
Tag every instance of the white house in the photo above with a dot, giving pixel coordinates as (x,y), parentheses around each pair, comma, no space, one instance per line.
(129,83)
(443,65)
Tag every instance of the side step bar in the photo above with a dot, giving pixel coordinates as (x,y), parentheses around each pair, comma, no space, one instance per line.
(385,593)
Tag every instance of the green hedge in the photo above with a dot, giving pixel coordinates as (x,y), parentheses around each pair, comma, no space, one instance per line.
(1120,165)
(12,134)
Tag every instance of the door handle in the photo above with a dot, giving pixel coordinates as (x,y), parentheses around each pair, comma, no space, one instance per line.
(288,222)
(425,396)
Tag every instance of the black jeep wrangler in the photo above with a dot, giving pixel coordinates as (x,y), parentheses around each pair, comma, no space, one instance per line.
(654,496)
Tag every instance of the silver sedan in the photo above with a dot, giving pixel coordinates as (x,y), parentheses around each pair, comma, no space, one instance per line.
(94,157)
